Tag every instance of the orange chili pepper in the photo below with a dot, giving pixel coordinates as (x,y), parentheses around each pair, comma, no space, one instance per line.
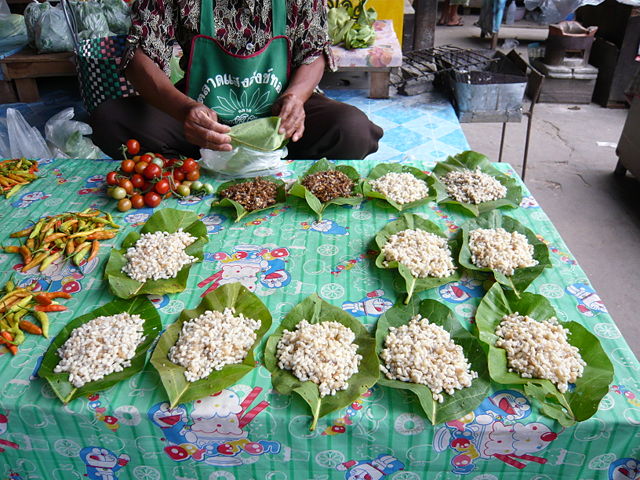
(95,247)
(30,327)
(54,307)
(42,299)
(103,235)
(52,295)
(7,341)
(26,254)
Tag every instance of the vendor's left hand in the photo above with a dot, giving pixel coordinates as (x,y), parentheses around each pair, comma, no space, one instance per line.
(290,108)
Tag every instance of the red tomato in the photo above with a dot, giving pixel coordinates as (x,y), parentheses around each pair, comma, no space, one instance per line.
(152,199)
(189,165)
(162,186)
(133,146)
(152,171)
(147,186)
(137,180)
(140,167)
(127,166)
(112,178)
(146,158)
(126,184)
(137,201)
(178,176)
(193,175)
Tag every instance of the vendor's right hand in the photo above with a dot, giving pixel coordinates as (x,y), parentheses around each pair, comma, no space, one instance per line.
(201,127)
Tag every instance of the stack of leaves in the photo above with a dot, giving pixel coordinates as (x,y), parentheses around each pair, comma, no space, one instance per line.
(16,173)
(69,235)
(17,303)
(352,26)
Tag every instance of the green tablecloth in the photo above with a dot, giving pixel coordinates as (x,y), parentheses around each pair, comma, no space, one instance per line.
(283,256)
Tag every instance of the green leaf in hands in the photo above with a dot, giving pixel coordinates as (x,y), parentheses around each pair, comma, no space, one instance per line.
(260,134)
(580,402)
(415,222)
(315,310)
(178,388)
(470,160)
(384,168)
(59,382)
(241,212)
(165,220)
(299,190)
(462,401)
(522,277)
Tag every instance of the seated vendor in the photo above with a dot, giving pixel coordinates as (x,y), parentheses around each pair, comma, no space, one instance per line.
(243,59)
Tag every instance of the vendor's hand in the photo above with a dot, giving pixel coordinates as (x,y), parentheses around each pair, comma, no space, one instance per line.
(290,108)
(201,127)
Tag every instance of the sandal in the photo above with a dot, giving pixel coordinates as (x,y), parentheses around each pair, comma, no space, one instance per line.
(459,24)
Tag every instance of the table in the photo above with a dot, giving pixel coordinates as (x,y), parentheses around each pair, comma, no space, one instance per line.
(283,256)
(378,59)
(23,67)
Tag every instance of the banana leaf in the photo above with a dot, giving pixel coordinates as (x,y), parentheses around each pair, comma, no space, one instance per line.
(384,168)
(316,310)
(178,388)
(241,212)
(165,220)
(59,382)
(415,284)
(462,401)
(299,190)
(522,277)
(260,134)
(470,160)
(580,402)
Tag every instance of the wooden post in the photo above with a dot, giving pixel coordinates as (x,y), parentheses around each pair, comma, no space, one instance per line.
(425,23)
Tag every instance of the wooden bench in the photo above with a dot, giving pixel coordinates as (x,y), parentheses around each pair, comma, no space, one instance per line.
(21,69)
(377,60)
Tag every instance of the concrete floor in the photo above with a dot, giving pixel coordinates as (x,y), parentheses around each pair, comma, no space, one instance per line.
(571,176)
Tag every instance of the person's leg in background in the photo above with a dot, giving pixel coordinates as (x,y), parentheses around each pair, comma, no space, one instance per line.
(116,121)
(335,130)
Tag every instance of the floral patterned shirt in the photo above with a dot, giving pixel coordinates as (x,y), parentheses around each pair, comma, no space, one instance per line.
(242,26)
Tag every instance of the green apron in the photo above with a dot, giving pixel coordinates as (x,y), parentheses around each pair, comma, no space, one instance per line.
(238,88)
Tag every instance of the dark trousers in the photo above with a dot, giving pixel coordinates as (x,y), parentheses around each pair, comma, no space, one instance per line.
(332,129)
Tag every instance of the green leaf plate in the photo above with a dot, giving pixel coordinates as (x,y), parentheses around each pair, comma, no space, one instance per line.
(59,382)
(384,168)
(261,134)
(241,212)
(165,220)
(470,160)
(522,277)
(178,388)
(462,401)
(576,405)
(416,222)
(316,310)
(299,190)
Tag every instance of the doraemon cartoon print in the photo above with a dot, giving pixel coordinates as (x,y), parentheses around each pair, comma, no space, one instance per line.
(102,464)
(373,305)
(376,469)
(212,430)
(625,469)
(495,430)
(27,199)
(589,302)
(326,227)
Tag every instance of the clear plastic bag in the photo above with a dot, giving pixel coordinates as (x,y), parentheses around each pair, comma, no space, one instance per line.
(118,16)
(25,140)
(32,14)
(92,22)
(66,137)
(243,162)
(52,33)
(13,31)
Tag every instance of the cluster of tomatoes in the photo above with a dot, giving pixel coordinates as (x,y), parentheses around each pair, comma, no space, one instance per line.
(144,180)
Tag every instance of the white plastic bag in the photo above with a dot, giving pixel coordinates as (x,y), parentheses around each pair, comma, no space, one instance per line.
(242,162)
(66,137)
(24,140)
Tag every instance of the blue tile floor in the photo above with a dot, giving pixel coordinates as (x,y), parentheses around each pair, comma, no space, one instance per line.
(424,126)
